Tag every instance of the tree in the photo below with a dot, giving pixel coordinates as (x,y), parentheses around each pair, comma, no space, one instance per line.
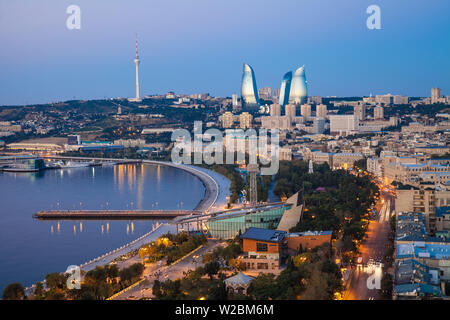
(211,268)
(157,289)
(56,281)
(39,290)
(13,291)
(386,286)
(217,291)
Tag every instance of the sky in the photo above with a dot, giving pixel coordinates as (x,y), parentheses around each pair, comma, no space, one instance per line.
(196,46)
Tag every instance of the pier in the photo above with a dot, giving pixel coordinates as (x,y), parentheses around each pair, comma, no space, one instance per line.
(112,214)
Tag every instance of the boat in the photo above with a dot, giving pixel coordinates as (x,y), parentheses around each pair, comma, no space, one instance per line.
(75,164)
(108,163)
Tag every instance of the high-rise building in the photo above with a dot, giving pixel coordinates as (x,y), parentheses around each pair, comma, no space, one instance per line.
(378,112)
(285,88)
(265,93)
(293,88)
(319,125)
(305,110)
(227,120)
(235,100)
(321,111)
(245,120)
(249,90)
(436,95)
(343,123)
(360,111)
(275,110)
(276,94)
(299,91)
(291,110)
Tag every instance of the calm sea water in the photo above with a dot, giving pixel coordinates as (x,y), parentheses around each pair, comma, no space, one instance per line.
(30,249)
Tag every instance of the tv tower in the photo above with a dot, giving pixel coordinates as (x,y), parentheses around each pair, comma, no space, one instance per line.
(136,62)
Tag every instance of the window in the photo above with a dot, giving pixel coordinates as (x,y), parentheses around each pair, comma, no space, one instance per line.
(261,247)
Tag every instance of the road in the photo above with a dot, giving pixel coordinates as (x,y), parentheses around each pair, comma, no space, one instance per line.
(172,272)
(372,248)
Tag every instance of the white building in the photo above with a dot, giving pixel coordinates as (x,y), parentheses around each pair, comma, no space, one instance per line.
(305,110)
(275,110)
(378,112)
(343,124)
(290,110)
(245,120)
(321,111)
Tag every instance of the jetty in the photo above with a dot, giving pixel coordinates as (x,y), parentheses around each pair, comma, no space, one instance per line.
(112,214)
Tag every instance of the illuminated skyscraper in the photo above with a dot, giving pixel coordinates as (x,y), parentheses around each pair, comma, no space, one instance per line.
(249,90)
(293,88)
(285,88)
(299,91)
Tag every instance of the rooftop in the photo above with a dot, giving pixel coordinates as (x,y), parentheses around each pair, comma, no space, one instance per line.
(264,234)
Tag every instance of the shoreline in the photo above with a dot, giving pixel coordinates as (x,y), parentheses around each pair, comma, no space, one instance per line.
(210,198)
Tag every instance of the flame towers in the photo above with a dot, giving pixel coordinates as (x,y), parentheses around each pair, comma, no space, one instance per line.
(293,88)
(249,90)
(285,88)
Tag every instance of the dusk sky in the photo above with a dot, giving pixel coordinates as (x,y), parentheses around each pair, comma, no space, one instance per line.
(195,46)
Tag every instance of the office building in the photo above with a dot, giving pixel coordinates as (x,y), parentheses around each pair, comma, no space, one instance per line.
(285,88)
(249,90)
(294,88)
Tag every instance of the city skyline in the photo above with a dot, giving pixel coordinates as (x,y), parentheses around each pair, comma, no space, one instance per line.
(43,61)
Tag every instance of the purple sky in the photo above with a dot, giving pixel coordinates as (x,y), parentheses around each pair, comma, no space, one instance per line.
(192,46)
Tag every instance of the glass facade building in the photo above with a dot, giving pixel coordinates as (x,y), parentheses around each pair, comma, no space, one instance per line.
(299,91)
(285,88)
(249,90)
(293,88)
(228,225)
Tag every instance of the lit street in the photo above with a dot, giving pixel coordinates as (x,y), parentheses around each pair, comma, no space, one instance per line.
(172,272)
(373,247)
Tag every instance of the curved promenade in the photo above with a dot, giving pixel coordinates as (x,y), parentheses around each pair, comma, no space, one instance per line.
(212,192)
